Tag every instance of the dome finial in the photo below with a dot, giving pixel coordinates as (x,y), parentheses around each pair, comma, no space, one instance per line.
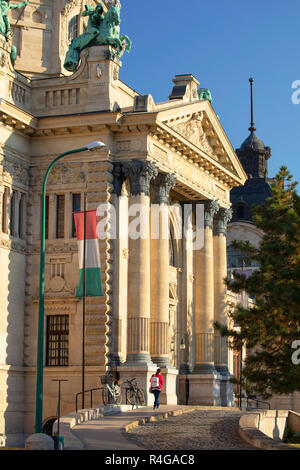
(251,128)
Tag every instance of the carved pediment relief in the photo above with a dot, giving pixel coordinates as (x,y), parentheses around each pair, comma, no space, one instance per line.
(193,130)
(198,130)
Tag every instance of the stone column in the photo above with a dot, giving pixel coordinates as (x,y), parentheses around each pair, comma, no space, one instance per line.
(204,296)
(220,273)
(140,174)
(120,203)
(159,324)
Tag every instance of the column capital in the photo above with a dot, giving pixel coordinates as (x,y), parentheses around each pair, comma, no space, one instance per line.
(140,174)
(118,178)
(221,220)
(161,187)
(210,209)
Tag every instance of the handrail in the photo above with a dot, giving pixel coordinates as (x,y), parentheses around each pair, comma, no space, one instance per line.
(253,398)
(91,390)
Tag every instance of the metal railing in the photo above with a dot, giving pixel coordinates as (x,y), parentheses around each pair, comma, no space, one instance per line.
(90,391)
(253,399)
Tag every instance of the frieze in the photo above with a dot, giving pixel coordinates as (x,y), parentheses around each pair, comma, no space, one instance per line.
(15,172)
(60,174)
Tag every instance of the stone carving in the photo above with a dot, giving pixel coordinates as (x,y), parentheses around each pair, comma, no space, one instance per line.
(221,221)
(211,208)
(60,174)
(161,187)
(193,131)
(102,29)
(118,179)
(140,174)
(16,172)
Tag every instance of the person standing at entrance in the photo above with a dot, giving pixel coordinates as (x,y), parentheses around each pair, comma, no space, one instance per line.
(157,382)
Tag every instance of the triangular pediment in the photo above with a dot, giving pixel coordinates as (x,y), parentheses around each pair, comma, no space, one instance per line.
(198,125)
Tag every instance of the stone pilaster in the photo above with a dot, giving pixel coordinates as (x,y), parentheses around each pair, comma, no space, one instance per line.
(220,272)
(204,296)
(159,324)
(140,174)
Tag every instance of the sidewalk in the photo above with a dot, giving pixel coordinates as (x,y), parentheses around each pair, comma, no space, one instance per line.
(108,433)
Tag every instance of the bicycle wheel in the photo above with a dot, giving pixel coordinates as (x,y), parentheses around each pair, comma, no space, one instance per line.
(131,396)
(105,396)
(140,397)
(117,395)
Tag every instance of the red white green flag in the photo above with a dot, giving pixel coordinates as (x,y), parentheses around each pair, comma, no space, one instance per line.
(93,284)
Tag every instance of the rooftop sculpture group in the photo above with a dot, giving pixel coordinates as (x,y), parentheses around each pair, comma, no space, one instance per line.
(103,28)
(5,27)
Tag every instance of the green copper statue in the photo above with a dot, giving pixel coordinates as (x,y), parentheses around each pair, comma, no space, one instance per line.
(204,94)
(5,6)
(101,29)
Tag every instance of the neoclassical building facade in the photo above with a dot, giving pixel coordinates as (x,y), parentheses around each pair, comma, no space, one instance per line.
(163,161)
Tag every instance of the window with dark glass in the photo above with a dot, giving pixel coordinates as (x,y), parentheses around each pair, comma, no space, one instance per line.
(57,340)
(21,228)
(60,216)
(237,259)
(76,203)
(5,199)
(73,28)
(12,214)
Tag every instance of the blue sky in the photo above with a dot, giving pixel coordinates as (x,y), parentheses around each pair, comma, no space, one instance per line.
(223,43)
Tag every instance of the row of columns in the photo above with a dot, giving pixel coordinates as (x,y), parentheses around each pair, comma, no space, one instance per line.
(148,316)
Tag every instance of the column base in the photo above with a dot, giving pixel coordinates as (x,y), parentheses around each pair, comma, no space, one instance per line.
(139,359)
(162,362)
(222,369)
(142,373)
(204,368)
(226,391)
(204,389)
(168,395)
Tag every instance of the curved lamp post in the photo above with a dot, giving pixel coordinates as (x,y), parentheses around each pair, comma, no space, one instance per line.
(40,348)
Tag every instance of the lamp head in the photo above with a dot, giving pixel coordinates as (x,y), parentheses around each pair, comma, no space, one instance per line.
(95,145)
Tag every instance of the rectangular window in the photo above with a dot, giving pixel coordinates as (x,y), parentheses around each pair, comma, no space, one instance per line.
(5,199)
(21,224)
(76,203)
(60,216)
(57,340)
(12,214)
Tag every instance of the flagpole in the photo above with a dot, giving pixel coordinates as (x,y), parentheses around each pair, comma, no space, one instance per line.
(83,302)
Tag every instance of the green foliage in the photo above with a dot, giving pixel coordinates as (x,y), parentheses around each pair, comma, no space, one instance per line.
(273,323)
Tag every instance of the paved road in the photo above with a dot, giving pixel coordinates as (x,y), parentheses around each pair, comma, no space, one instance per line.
(197,430)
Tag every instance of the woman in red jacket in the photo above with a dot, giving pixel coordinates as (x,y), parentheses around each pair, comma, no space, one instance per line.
(157,382)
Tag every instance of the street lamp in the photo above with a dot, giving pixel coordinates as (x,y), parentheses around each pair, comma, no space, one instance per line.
(40,348)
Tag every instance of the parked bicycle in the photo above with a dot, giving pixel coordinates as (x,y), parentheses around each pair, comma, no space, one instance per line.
(134,394)
(111,392)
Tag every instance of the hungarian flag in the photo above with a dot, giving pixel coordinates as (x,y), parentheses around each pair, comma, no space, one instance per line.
(93,285)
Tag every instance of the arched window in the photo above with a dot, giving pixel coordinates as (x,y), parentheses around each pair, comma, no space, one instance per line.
(237,259)
(240,212)
(5,199)
(12,222)
(73,28)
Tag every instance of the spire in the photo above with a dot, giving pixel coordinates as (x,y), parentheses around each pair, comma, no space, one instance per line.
(251,128)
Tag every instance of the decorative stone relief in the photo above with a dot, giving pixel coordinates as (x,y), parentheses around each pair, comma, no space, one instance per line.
(193,131)
(60,174)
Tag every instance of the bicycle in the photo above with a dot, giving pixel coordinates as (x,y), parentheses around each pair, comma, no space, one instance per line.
(111,392)
(134,394)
